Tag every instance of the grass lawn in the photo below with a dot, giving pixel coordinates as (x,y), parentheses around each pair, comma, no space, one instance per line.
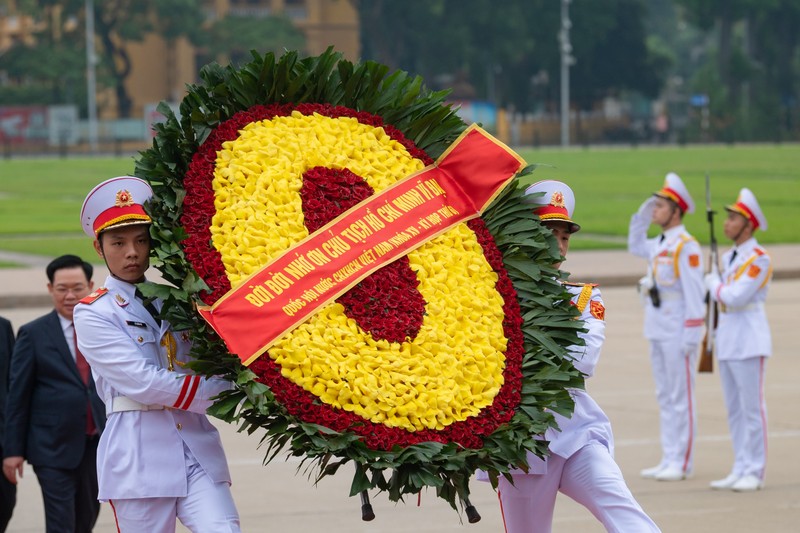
(51,246)
(40,199)
(611,183)
(45,195)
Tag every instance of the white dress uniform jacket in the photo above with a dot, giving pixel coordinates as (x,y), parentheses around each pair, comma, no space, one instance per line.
(675,330)
(588,422)
(581,463)
(141,452)
(677,270)
(743,330)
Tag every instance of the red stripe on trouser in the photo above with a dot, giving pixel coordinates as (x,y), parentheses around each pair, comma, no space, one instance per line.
(502,513)
(761,404)
(114,510)
(185,387)
(192,392)
(691,414)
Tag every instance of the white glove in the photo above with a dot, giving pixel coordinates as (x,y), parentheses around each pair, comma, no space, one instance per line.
(645,284)
(712,282)
(647,208)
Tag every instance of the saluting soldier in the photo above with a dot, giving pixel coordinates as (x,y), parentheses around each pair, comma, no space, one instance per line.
(159,457)
(581,462)
(743,341)
(673,320)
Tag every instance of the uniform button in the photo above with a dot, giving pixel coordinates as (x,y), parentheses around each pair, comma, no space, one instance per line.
(140,339)
(179,426)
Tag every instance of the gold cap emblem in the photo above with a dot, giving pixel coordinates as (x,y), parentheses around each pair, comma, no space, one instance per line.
(557,199)
(124,199)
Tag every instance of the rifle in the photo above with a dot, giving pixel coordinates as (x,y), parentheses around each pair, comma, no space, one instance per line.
(706,363)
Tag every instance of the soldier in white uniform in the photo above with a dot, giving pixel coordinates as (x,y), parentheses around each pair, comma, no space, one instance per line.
(581,462)
(743,341)
(673,320)
(159,459)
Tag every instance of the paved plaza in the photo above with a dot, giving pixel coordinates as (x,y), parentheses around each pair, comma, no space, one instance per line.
(277,498)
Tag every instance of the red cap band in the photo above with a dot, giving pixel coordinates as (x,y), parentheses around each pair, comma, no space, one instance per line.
(675,197)
(115,215)
(744,210)
(551,211)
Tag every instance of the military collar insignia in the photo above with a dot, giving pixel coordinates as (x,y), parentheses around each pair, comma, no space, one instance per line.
(94,296)
(121,301)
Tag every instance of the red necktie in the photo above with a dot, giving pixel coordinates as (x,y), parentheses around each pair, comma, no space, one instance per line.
(85,372)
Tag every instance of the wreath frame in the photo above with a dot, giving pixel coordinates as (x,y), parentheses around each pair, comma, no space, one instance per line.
(529,253)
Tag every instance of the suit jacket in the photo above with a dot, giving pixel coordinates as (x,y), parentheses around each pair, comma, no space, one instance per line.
(6,349)
(46,404)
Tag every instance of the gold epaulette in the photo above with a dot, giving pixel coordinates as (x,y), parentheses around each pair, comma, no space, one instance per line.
(93,297)
(574,284)
(585,294)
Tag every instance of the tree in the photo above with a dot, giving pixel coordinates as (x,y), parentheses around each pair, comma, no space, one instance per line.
(610,44)
(234,36)
(50,69)
(122,21)
(444,40)
(119,22)
(755,69)
(506,50)
(173,20)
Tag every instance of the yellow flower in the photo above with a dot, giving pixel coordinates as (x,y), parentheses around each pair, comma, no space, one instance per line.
(452,369)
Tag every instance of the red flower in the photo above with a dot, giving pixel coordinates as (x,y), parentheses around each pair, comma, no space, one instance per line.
(327,193)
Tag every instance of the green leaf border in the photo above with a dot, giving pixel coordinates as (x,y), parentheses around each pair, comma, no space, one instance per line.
(528,249)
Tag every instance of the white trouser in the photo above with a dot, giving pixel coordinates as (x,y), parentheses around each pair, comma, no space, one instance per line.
(208,507)
(590,477)
(743,389)
(674,373)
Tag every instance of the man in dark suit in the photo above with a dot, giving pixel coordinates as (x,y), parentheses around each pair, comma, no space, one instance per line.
(8,491)
(53,415)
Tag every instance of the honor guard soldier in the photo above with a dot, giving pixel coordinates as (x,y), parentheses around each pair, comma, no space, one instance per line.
(673,320)
(743,341)
(581,463)
(159,458)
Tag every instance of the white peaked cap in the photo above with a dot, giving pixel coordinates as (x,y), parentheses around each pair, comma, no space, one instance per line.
(675,190)
(557,202)
(747,206)
(115,202)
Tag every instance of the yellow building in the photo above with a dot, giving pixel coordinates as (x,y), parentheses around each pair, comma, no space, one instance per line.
(161,70)
(323,22)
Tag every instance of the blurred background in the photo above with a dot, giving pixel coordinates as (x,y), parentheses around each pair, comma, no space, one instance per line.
(636,88)
(81,76)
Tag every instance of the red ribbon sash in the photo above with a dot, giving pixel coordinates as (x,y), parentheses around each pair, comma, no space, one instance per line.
(373,233)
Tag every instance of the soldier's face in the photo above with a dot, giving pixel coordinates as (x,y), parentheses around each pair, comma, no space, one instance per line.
(735,225)
(664,211)
(561,232)
(126,251)
(68,288)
